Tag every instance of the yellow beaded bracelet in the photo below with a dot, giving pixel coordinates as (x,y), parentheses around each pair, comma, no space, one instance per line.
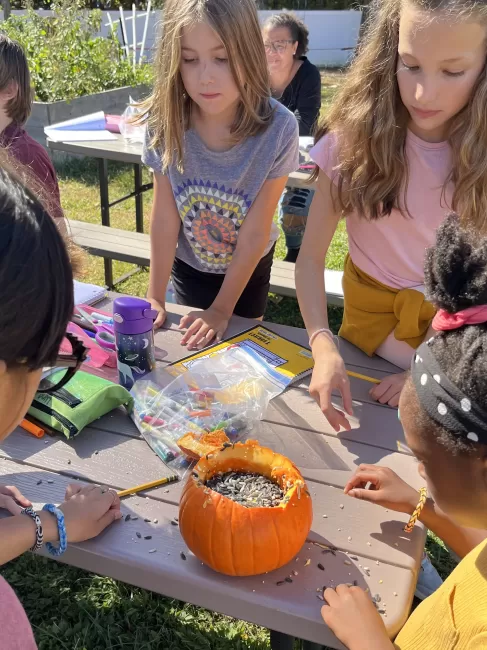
(408,528)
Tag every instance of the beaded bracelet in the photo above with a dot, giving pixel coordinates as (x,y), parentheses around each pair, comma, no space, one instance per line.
(408,528)
(63,539)
(30,512)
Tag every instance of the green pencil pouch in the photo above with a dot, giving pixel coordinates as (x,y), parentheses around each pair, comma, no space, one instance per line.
(82,400)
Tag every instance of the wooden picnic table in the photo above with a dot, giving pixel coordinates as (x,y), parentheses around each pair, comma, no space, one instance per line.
(111,452)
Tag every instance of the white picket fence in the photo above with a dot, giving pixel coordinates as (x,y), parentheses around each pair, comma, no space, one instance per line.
(333,34)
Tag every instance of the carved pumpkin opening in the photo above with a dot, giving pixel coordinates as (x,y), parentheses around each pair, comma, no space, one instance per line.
(232,538)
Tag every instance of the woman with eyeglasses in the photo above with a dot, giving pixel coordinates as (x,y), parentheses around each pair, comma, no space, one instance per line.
(36,298)
(296,83)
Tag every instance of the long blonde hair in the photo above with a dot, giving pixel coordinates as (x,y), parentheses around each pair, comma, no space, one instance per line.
(370,121)
(168,109)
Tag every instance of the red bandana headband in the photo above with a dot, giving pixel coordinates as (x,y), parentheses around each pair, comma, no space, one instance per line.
(444,321)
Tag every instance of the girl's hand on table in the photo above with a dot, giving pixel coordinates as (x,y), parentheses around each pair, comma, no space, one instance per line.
(12,500)
(329,374)
(202,327)
(352,616)
(88,510)
(389,389)
(386,489)
(160,307)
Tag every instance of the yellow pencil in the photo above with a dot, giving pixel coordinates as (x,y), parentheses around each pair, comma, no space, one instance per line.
(357,375)
(148,486)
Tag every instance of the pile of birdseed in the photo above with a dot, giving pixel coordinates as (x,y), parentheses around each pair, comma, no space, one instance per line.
(248,489)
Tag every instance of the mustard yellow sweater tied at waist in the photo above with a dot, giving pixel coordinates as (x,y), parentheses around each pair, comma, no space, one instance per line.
(373,310)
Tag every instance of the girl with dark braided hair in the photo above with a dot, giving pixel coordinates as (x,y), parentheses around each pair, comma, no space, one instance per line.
(443,410)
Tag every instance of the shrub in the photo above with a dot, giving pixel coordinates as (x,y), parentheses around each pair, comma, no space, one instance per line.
(66,57)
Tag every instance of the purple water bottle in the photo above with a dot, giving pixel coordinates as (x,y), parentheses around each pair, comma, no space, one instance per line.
(133,320)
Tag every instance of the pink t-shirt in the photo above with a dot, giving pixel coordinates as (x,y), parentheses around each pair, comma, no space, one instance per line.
(15,629)
(392,249)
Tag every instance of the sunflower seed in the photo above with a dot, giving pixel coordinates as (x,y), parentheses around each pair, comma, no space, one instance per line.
(280,582)
(156,521)
(183,556)
(139,535)
(148,537)
(248,489)
(288,579)
(147,521)
(127,517)
(175,523)
(153,550)
(376,598)
(39,482)
(321,567)
(50,482)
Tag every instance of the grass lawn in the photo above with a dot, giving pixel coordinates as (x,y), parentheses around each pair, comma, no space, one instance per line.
(74,610)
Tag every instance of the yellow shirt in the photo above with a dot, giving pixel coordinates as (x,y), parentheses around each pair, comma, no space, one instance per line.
(455,616)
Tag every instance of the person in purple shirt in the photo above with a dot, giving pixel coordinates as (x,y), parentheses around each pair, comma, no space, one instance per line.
(16,97)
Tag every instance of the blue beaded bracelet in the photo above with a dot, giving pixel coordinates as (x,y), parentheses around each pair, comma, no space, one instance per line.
(63,539)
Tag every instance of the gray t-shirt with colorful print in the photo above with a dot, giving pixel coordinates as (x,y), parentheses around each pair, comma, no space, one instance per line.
(216,190)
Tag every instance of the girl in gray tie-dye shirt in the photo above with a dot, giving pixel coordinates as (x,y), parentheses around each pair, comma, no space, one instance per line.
(221,150)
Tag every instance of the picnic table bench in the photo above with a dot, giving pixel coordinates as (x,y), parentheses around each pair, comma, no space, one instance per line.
(133,247)
(110,451)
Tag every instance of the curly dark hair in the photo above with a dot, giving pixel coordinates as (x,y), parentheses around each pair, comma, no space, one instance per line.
(455,279)
(299,31)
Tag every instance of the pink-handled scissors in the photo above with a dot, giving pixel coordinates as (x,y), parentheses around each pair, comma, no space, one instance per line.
(104,334)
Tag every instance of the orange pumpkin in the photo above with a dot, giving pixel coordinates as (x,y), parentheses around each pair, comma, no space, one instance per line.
(236,540)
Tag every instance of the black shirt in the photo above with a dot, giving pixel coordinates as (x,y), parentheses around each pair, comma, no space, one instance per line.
(303,96)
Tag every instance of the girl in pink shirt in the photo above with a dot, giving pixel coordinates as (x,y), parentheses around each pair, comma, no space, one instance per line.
(403,144)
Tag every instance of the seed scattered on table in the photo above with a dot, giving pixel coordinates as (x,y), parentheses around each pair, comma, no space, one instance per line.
(156,521)
(347,562)
(174,523)
(250,490)
(147,520)
(321,567)
(280,582)
(341,506)
(69,462)
(96,452)
(153,550)
(148,537)
(295,573)
(39,482)
(127,517)
(134,518)
(139,535)
(369,544)
(376,598)
(307,563)
(353,557)
(50,481)
(339,530)
(183,556)
(288,579)
(325,516)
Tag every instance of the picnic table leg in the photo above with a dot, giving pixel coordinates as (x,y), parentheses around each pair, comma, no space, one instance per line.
(280,641)
(139,200)
(105,214)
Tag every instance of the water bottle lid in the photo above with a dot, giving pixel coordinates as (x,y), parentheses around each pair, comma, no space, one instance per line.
(132,315)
